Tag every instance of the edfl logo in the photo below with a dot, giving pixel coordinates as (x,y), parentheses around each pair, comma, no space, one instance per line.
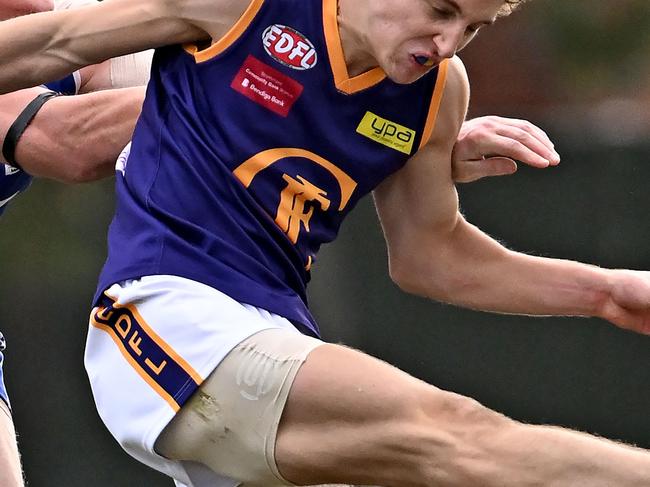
(289,47)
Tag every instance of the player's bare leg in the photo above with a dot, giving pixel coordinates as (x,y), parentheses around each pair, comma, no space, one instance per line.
(351,418)
(10,470)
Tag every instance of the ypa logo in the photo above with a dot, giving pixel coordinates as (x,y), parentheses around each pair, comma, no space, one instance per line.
(387,133)
(289,47)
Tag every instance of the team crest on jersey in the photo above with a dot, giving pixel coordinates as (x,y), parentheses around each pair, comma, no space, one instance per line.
(301,195)
(289,47)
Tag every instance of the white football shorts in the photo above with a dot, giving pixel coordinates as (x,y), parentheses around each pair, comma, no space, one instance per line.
(150,346)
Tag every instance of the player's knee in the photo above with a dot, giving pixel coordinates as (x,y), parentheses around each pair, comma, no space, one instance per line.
(450,436)
(447,406)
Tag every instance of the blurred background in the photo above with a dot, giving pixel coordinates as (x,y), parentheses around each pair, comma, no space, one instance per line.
(580,69)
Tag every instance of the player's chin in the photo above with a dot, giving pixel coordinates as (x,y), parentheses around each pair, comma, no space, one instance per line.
(405,78)
(408,73)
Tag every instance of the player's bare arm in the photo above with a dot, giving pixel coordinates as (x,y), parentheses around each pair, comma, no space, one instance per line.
(73,138)
(63,41)
(435,252)
(492,145)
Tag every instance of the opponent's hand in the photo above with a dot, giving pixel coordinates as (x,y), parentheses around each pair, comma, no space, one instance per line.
(489,146)
(628,303)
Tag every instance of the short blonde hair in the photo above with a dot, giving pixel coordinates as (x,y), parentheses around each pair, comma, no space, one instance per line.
(510,6)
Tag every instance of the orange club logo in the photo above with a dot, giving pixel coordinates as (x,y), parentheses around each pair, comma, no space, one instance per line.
(295,209)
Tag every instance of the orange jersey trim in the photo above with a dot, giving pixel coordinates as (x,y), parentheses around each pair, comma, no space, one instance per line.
(227,40)
(342,79)
(434,107)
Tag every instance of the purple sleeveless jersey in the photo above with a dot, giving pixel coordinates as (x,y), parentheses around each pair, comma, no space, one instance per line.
(250,153)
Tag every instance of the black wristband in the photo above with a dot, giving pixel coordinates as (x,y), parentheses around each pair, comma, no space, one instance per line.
(20,124)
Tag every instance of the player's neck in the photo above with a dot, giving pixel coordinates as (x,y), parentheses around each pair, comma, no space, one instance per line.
(352,23)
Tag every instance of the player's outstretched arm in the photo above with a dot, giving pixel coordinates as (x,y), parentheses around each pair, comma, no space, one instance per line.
(38,48)
(73,138)
(491,145)
(434,252)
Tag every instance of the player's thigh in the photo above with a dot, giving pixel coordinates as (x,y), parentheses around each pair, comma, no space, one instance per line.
(10,471)
(229,425)
(285,409)
(351,418)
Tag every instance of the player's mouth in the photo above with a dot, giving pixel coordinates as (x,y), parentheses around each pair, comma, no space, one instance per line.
(425,61)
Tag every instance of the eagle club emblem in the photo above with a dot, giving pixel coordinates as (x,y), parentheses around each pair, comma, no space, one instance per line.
(289,47)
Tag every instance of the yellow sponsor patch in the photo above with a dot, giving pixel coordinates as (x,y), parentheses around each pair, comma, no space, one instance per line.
(387,133)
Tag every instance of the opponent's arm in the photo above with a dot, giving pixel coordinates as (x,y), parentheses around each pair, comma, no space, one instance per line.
(45,46)
(434,252)
(491,146)
(122,72)
(73,138)
(10,470)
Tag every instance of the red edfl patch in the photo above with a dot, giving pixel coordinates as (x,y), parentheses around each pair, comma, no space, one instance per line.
(289,47)
(266,86)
